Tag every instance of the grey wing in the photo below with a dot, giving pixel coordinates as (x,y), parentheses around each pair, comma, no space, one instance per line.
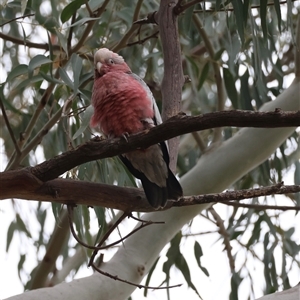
(157,115)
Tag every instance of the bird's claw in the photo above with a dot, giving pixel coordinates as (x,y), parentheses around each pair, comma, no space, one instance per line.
(125,135)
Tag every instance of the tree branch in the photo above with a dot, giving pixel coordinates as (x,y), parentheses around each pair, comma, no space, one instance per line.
(223,232)
(115,277)
(9,127)
(278,188)
(173,79)
(55,244)
(175,126)
(23,184)
(262,206)
(18,41)
(15,19)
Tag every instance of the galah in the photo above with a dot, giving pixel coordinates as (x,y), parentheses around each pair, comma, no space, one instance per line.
(123,105)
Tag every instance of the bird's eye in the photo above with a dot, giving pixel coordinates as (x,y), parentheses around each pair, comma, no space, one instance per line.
(111,61)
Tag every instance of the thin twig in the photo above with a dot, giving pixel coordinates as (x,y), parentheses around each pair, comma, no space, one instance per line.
(70,214)
(140,286)
(227,196)
(89,27)
(69,39)
(154,35)
(179,8)
(200,233)
(124,41)
(232,9)
(9,127)
(29,44)
(15,159)
(143,225)
(137,10)
(17,18)
(223,232)
(199,141)
(219,81)
(262,206)
(106,235)
(88,8)
(144,221)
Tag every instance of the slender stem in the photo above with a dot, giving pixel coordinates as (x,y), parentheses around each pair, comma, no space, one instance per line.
(97,248)
(123,42)
(88,8)
(88,28)
(15,158)
(216,68)
(70,32)
(199,141)
(54,248)
(115,277)
(9,127)
(17,18)
(39,136)
(179,8)
(75,236)
(137,10)
(261,206)
(226,9)
(27,43)
(297,49)
(154,35)
(223,232)
(106,235)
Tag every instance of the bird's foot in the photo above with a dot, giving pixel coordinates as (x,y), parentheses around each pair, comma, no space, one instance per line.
(125,135)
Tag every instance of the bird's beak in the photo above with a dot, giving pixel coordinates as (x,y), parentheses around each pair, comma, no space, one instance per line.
(98,66)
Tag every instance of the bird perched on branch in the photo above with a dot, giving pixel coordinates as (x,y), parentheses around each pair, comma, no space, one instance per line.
(123,105)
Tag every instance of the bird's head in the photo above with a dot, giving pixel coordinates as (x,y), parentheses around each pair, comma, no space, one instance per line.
(107,61)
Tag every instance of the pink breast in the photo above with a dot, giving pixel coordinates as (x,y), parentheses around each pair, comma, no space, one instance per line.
(120,105)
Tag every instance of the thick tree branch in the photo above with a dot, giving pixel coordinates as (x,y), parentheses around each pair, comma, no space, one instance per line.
(173,80)
(175,126)
(36,183)
(23,185)
(55,244)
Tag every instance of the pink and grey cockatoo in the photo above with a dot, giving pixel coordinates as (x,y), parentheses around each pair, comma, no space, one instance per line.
(123,105)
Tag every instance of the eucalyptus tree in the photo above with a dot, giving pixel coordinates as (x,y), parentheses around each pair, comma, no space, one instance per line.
(226,65)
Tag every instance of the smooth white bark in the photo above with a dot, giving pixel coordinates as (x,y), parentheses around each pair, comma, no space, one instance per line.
(214,172)
(290,294)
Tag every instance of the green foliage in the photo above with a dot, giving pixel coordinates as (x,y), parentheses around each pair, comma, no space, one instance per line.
(175,258)
(49,81)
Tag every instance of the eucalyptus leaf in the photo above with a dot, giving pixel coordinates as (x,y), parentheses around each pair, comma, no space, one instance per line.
(230,87)
(70,10)
(239,16)
(263,18)
(76,63)
(37,61)
(65,77)
(10,233)
(17,71)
